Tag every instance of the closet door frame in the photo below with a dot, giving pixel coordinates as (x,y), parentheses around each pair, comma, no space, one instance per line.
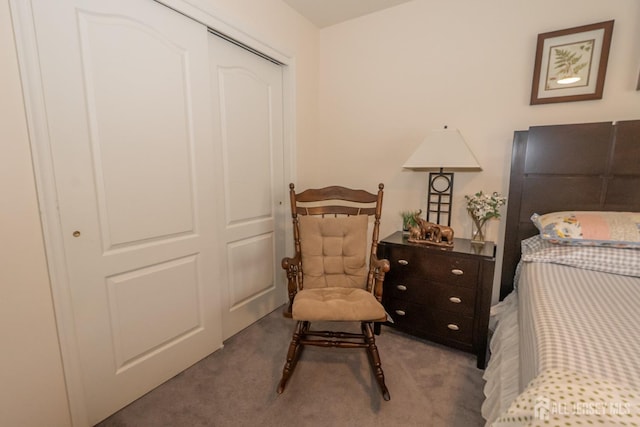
(26,47)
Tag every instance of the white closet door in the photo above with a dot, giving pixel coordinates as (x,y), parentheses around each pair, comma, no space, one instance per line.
(247,97)
(126,89)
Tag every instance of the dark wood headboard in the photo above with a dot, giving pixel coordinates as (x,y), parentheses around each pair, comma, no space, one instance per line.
(587,167)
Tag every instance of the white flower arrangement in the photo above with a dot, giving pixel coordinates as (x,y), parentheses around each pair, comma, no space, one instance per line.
(482,207)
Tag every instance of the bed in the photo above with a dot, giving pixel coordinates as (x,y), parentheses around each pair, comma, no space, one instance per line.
(566,344)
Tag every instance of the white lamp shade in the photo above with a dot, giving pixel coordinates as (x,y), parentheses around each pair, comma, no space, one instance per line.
(443,148)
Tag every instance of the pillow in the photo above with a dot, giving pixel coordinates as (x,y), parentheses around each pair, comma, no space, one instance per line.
(590,228)
(606,259)
(334,251)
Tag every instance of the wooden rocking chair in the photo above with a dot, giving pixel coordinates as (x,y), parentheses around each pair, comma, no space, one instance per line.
(329,278)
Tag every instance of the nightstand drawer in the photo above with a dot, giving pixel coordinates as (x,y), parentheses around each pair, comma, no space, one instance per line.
(453,326)
(405,262)
(407,289)
(410,316)
(446,268)
(436,323)
(432,295)
(451,270)
(455,299)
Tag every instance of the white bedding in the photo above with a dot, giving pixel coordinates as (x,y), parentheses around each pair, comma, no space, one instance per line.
(584,321)
(571,322)
(560,397)
(502,374)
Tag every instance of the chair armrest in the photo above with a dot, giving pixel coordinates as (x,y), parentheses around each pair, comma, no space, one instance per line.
(382,264)
(293,266)
(288,263)
(381,267)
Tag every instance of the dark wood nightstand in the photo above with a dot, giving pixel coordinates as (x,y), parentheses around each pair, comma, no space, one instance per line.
(442,294)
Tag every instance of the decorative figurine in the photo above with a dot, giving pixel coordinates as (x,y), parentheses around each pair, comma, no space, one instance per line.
(430,233)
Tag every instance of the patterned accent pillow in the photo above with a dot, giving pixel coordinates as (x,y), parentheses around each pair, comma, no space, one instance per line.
(590,228)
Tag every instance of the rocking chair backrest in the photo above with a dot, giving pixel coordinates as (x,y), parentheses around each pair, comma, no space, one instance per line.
(334,221)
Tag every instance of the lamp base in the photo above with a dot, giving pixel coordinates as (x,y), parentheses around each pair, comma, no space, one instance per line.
(440,196)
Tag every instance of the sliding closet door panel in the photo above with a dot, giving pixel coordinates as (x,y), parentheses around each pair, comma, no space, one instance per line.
(126,88)
(248,116)
(141,147)
(246,104)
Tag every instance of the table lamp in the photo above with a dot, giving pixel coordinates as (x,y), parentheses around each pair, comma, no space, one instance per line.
(442,149)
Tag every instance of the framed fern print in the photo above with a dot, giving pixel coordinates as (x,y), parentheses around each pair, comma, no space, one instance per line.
(571,64)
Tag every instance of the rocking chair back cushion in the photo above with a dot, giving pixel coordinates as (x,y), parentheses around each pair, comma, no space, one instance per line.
(334,251)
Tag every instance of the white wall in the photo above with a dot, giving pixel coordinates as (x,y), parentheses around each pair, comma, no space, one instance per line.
(32,389)
(389,77)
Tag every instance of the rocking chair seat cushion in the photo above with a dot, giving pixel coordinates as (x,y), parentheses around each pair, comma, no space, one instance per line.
(337,304)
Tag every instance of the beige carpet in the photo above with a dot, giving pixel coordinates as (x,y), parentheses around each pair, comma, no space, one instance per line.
(430,385)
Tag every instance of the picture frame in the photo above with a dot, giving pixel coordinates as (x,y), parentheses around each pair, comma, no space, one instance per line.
(571,64)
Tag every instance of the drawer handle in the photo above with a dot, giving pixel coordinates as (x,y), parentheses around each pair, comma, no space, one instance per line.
(455,300)
(403,262)
(457,272)
(453,327)
(401,287)
(400,312)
